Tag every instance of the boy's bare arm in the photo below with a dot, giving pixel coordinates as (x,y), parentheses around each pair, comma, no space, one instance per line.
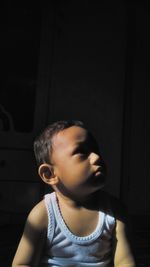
(31,244)
(123,254)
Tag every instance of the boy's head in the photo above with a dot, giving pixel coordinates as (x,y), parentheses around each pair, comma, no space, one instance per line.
(68,158)
(43,145)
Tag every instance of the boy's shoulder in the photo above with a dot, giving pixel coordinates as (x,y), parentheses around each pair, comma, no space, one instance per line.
(37,217)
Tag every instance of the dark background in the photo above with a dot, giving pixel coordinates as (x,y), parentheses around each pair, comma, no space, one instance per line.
(75,60)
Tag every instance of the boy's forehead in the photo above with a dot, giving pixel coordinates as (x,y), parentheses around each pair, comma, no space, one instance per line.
(70,136)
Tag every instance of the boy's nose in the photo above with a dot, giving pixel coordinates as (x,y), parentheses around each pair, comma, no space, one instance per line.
(94,158)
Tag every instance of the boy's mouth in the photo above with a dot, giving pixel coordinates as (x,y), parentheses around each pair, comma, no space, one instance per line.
(98,171)
(99,174)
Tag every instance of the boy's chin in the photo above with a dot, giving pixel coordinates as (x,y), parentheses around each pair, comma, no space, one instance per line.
(98,181)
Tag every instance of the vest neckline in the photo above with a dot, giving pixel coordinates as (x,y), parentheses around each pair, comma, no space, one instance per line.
(66,231)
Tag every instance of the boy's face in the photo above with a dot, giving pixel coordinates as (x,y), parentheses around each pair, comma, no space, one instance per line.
(76,162)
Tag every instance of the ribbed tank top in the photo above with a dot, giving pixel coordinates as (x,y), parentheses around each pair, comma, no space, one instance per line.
(63,248)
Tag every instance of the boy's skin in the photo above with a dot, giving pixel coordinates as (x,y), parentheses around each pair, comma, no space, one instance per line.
(77,174)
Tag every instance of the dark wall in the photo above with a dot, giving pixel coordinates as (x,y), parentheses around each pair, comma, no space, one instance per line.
(98,70)
(80,60)
(138,123)
(87,61)
(88,74)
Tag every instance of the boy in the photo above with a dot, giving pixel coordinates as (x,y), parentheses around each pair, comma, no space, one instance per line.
(78,224)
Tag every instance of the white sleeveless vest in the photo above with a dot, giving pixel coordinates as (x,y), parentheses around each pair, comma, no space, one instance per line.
(63,248)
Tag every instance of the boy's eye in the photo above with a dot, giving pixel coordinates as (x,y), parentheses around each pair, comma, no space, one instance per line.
(82,152)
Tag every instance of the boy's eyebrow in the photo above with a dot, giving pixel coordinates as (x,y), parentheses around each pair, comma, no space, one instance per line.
(79,144)
(82,142)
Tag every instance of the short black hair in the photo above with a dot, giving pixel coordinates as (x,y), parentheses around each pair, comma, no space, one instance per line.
(43,142)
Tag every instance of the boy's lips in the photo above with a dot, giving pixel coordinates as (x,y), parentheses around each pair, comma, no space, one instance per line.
(98,170)
(98,176)
(97,173)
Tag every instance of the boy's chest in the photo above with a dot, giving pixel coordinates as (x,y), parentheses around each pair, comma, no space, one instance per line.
(81,222)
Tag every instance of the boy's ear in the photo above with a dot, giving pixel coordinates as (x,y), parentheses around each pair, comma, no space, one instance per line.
(46,172)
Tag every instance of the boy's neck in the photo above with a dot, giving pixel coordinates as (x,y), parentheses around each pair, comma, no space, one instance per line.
(90,201)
